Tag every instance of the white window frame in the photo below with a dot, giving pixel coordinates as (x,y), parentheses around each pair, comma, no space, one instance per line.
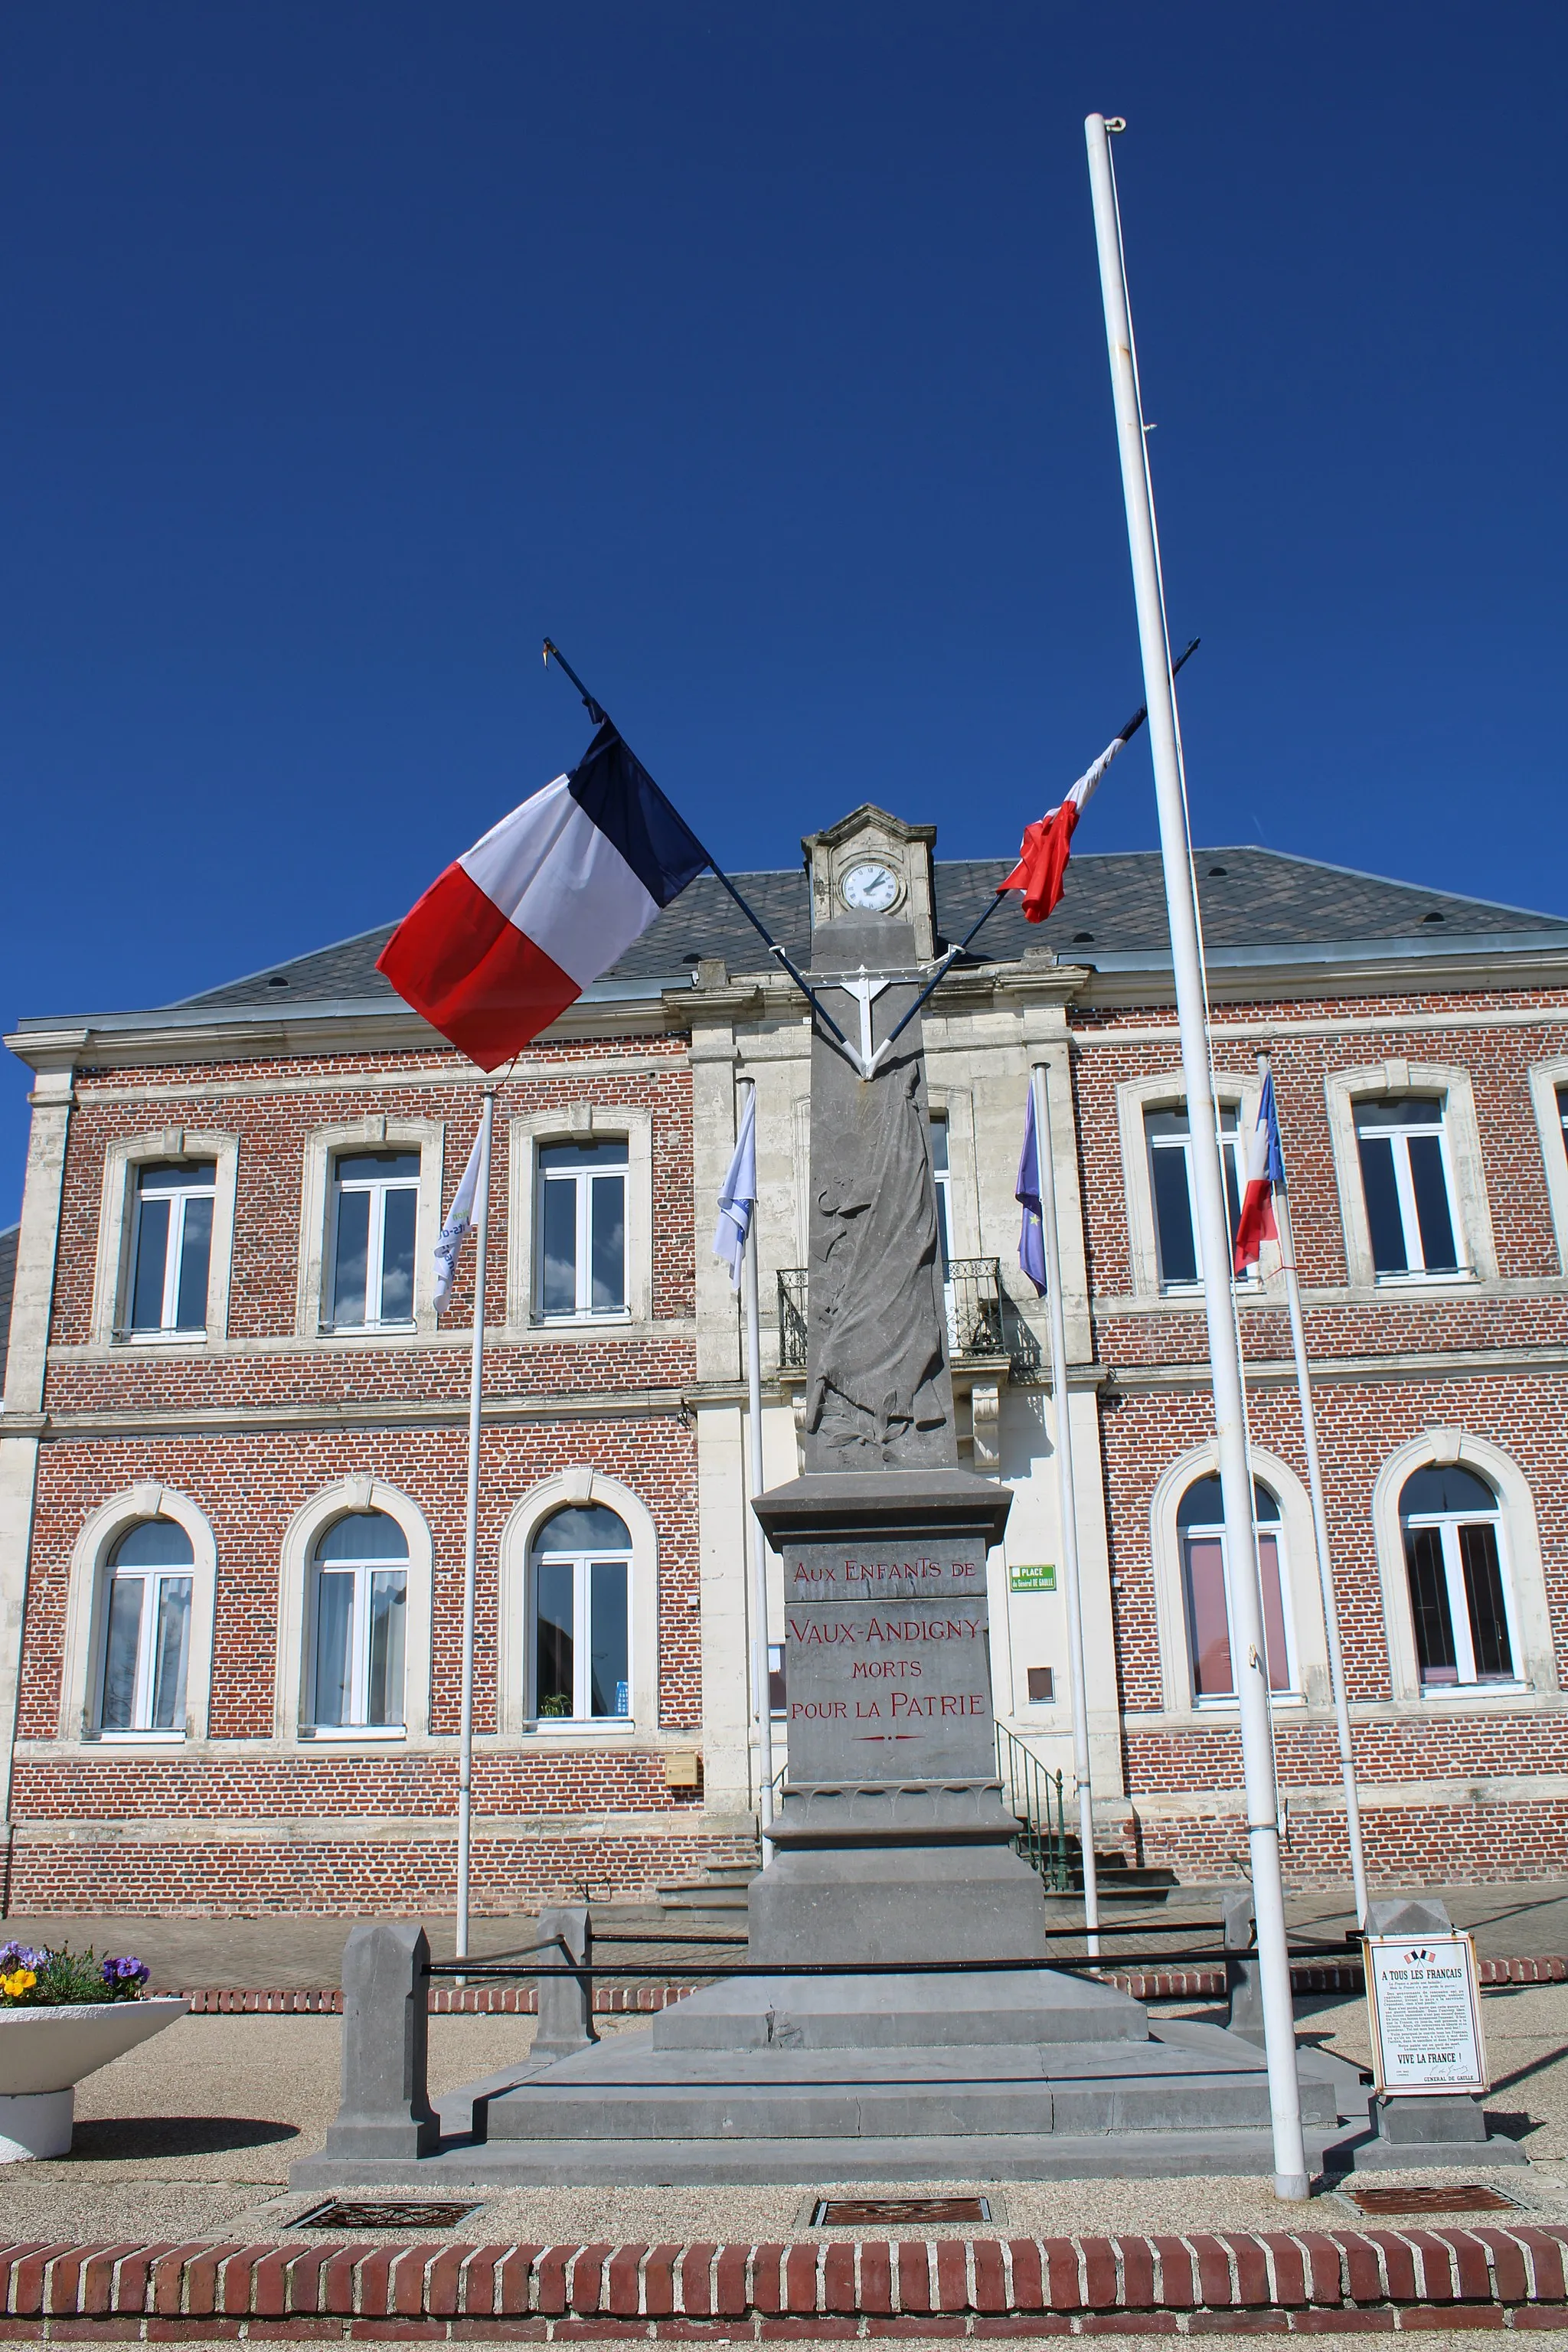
(514,1721)
(293,1694)
(318,1226)
(1208,1531)
(1305,1639)
(86,1611)
(179,1199)
(1524,1584)
(123,1158)
(1233,1142)
(1167,1091)
(1545,1078)
(152,1581)
(584,1180)
(362,1571)
(378,1188)
(581,1716)
(578,1123)
(1397,1135)
(1448,1524)
(1451,1082)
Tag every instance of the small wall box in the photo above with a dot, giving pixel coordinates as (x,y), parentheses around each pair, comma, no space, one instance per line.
(682,1769)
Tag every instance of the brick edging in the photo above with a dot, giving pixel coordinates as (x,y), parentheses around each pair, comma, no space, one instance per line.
(1264,2281)
(634,2001)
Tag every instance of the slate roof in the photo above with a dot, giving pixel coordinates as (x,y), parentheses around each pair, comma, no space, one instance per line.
(1114,905)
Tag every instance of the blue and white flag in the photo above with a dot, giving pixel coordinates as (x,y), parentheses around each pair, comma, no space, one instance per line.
(454,1232)
(738,1196)
(1026,1193)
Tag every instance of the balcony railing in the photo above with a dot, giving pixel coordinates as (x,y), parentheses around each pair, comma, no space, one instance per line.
(981,1321)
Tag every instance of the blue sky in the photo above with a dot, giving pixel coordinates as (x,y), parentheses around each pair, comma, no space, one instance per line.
(756,355)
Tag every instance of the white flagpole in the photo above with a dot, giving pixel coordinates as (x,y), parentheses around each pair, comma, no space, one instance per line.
(470,1527)
(1066,1501)
(1213,1234)
(1321,1536)
(760,1702)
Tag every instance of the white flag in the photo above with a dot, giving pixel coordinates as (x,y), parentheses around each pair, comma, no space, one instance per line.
(738,1196)
(454,1232)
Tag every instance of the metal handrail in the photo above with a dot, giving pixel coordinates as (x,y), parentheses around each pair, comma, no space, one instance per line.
(1036,1798)
(850,1968)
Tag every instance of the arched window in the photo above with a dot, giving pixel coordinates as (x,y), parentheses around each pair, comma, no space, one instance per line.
(1459,1598)
(1200,1525)
(580,1615)
(146,1630)
(359,1589)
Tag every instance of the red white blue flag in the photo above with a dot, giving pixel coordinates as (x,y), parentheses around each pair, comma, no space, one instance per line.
(517,927)
(1265,1169)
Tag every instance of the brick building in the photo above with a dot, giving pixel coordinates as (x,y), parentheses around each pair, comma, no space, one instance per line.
(233,1446)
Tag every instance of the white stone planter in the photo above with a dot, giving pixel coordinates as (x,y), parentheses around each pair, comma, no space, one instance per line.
(44,2052)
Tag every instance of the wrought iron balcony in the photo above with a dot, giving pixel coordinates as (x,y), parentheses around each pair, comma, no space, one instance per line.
(981,1321)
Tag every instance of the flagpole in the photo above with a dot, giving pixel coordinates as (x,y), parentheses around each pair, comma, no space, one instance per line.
(1214,1235)
(1321,1536)
(761,1698)
(470,1527)
(1066,1500)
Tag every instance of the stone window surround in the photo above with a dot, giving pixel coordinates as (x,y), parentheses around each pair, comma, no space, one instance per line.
(1298,1584)
(1167,1090)
(1471,1212)
(123,1156)
(578,1122)
(361,1492)
(374,1133)
(1520,1546)
(1545,1078)
(581,1485)
(82,1661)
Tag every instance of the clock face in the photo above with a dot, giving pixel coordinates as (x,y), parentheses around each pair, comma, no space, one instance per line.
(871,888)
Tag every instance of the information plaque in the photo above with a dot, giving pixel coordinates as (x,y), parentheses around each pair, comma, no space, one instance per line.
(1424,2009)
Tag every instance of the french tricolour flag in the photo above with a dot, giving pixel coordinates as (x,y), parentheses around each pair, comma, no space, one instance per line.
(517,927)
(1265,1169)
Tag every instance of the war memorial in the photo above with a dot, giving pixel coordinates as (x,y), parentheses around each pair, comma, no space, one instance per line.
(895,2018)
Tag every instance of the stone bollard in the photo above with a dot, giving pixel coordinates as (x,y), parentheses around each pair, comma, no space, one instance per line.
(1441,2128)
(565,2002)
(386,2109)
(1243,1968)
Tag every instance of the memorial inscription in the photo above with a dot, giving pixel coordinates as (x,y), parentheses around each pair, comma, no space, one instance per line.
(887,1663)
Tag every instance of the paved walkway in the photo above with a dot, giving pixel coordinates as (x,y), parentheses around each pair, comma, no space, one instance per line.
(290,1951)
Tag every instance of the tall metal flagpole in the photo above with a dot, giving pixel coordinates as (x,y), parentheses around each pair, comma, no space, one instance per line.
(760,1699)
(470,1527)
(1066,1501)
(1321,1534)
(1214,1235)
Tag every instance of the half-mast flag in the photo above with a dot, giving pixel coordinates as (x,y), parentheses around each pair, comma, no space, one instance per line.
(1265,1169)
(517,927)
(738,1199)
(454,1232)
(1026,1193)
(1042,860)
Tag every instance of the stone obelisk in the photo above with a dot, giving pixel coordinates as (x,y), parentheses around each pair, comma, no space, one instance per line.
(891,1841)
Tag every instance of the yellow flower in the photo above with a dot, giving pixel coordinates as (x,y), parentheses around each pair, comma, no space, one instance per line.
(14,1986)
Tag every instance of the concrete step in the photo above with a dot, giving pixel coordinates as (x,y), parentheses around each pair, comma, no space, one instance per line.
(860,2014)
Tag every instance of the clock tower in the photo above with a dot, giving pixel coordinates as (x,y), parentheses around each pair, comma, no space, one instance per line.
(869,866)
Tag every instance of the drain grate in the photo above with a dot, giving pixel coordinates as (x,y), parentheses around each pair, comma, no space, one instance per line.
(1464,2197)
(870,2210)
(387,2213)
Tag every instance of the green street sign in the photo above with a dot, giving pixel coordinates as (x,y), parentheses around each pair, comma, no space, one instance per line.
(1035,1576)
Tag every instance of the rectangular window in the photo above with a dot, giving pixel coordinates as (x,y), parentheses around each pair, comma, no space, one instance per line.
(1459,1603)
(170,1246)
(1405,1180)
(581,1652)
(776,1697)
(360,1613)
(376,1215)
(145,1641)
(1208,1615)
(1171,1179)
(582,1230)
